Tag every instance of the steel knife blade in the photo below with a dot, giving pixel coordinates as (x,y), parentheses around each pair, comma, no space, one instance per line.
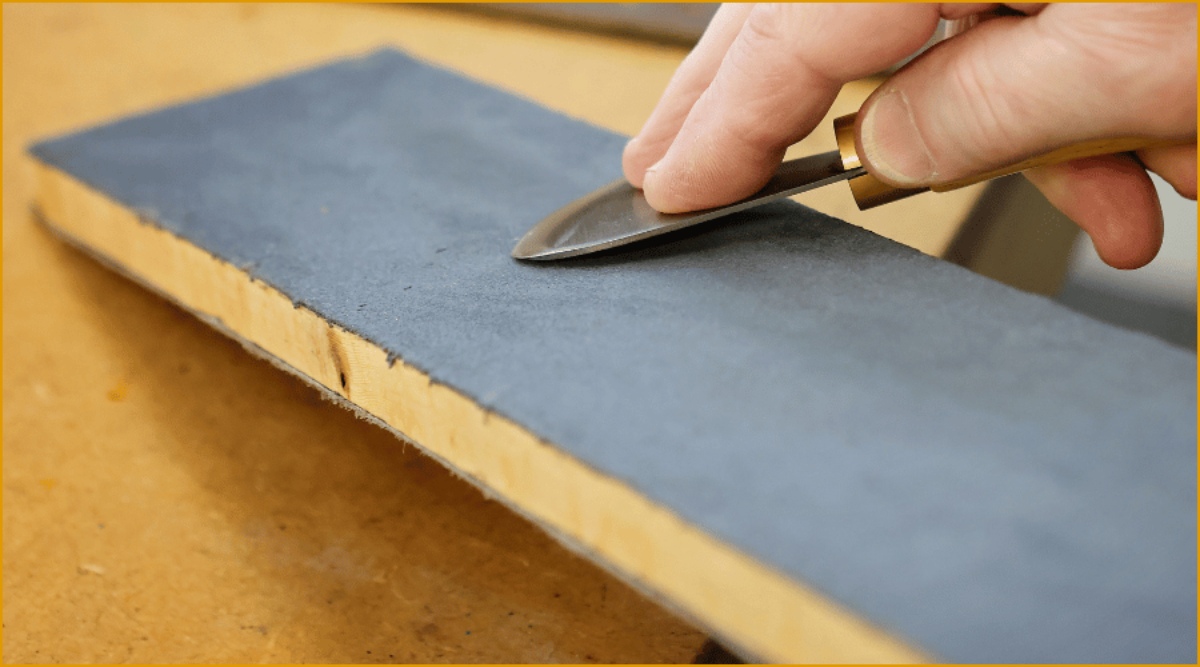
(618,214)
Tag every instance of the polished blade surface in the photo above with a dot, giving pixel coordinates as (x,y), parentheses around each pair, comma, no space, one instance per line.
(618,213)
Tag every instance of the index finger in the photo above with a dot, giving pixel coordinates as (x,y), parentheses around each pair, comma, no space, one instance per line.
(775,83)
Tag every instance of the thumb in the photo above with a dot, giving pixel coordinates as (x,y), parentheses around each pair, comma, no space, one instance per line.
(1013,88)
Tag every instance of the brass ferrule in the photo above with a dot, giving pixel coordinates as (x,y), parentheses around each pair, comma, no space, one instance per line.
(868,191)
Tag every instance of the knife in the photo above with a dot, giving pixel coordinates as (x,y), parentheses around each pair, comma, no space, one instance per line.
(618,214)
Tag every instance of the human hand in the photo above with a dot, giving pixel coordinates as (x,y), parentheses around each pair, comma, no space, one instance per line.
(764,75)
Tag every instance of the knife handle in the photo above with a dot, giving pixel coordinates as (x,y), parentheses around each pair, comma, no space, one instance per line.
(870,192)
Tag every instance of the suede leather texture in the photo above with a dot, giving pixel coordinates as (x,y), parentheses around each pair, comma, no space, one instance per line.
(985,474)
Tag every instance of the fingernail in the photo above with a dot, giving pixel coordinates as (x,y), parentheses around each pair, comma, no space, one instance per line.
(655,194)
(892,143)
(651,171)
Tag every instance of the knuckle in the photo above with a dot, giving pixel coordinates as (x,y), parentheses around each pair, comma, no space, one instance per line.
(993,119)
(768,62)
(1141,61)
(772,41)
(765,26)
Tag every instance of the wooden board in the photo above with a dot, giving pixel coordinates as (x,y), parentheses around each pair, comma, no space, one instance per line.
(271,212)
